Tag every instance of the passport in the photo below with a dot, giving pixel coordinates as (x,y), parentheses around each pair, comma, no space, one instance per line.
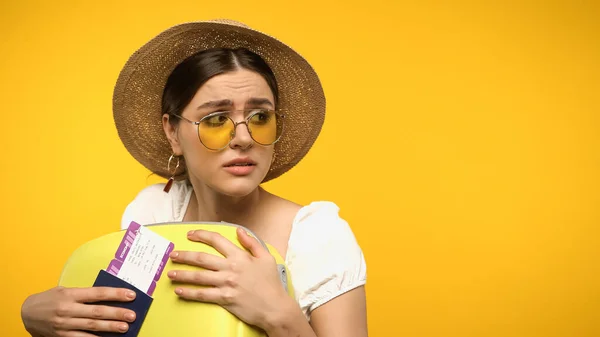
(140,305)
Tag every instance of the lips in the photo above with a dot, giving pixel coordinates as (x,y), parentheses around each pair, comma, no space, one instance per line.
(240,167)
(240,162)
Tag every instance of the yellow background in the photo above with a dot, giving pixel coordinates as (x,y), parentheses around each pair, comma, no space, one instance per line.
(461,143)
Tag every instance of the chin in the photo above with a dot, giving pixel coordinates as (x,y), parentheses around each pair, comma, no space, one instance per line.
(237,186)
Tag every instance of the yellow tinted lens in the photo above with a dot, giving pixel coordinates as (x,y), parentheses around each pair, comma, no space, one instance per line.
(215,131)
(264,127)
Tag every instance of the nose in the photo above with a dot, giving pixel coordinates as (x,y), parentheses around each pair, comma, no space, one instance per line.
(241,138)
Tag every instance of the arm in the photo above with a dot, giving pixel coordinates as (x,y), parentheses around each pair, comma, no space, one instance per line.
(345,315)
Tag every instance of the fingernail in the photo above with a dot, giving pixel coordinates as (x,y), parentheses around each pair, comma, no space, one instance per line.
(190,233)
(123,327)
(130,316)
(131,294)
(172,274)
(174,255)
(178,291)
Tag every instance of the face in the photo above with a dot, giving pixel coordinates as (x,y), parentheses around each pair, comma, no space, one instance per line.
(237,169)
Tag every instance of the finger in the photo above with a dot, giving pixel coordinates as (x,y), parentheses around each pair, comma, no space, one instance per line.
(98,294)
(199,277)
(90,324)
(198,259)
(216,240)
(104,312)
(251,243)
(209,295)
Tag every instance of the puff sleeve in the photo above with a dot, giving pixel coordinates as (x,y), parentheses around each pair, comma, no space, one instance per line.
(323,256)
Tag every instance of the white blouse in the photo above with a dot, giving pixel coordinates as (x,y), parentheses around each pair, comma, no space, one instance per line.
(323,256)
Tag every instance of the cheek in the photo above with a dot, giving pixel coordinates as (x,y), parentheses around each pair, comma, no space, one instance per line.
(197,157)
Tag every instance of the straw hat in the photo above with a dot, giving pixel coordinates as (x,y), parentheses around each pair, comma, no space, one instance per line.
(139,88)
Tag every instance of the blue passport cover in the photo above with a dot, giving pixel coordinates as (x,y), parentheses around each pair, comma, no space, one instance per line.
(140,305)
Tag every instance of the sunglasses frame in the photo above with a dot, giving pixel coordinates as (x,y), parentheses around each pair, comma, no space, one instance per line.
(235,124)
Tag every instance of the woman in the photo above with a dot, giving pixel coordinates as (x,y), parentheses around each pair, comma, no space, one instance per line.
(238,108)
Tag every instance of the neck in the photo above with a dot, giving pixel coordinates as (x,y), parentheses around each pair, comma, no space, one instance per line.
(213,206)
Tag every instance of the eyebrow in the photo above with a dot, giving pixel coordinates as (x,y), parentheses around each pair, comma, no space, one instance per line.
(224,103)
(254,101)
(215,104)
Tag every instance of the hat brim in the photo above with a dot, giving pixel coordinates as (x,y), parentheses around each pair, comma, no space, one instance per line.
(139,88)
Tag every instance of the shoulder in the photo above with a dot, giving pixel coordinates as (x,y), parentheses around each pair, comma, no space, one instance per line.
(152,204)
(324,257)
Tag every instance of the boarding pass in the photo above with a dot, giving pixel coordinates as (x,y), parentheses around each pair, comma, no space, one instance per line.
(141,257)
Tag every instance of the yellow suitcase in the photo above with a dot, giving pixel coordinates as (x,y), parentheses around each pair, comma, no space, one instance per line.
(168,315)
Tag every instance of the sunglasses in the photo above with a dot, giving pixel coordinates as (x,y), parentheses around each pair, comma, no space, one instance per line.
(217,129)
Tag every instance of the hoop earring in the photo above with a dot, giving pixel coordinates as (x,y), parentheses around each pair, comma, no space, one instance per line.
(170,182)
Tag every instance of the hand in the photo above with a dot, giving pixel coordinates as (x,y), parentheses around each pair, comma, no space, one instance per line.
(63,312)
(245,283)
